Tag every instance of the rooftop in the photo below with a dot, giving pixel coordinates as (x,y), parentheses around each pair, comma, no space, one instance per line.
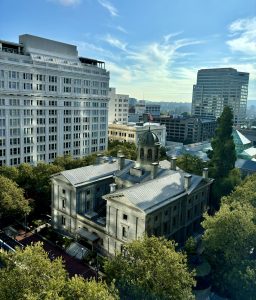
(90,173)
(155,193)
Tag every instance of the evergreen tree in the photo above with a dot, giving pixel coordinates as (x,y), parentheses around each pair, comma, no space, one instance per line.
(223,154)
(222,159)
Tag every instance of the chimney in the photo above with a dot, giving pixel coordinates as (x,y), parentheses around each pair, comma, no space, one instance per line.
(154,167)
(112,187)
(205,173)
(173,163)
(100,159)
(187,181)
(121,161)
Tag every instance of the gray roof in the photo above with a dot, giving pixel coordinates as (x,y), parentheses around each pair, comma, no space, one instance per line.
(248,165)
(91,173)
(154,193)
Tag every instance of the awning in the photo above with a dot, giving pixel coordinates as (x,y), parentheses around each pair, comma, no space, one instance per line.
(87,235)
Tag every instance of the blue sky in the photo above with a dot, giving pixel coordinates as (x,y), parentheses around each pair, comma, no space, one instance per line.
(152,48)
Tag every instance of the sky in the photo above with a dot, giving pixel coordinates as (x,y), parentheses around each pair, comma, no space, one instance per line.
(152,48)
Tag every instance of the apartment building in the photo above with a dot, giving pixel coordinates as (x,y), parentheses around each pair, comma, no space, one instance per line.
(52,101)
(118,107)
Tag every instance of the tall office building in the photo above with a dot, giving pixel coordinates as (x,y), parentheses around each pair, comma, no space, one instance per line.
(52,102)
(118,107)
(217,88)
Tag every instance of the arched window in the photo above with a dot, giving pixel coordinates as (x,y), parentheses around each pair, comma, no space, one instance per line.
(141,153)
(149,156)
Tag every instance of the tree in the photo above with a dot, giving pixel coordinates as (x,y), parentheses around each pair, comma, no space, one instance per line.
(150,268)
(191,164)
(128,149)
(223,158)
(223,154)
(41,191)
(29,274)
(244,193)
(12,201)
(67,162)
(78,288)
(229,240)
(9,172)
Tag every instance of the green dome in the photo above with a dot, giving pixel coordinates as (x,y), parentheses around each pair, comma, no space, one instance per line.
(149,139)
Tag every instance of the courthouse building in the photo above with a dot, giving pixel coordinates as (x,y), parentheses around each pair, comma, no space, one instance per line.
(119,200)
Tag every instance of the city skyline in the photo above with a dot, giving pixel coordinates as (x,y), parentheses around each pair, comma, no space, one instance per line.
(152,50)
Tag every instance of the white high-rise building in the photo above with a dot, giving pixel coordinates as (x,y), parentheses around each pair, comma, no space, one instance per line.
(217,88)
(118,107)
(52,102)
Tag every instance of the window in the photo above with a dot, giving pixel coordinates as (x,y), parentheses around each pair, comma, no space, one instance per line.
(63,203)
(52,78)
(124,232)
(88,192)
(67,80)
(63,220)
(125,217)
(40,77)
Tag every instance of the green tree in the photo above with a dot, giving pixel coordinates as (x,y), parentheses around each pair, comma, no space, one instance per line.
(12,201)
(223,158)
(223,154)
(41,192)
(191,164)
(9,172)
(78,288)
(128,149)
(229,240)
(244,193)
(150,268)
(67,162)
(29,274)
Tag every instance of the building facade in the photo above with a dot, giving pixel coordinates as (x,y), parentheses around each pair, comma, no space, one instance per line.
(217,88)
(119,200)
(52,102)
(132,132)
(187,129)
(118,107)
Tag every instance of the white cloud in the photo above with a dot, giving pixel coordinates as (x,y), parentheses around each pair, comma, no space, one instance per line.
(68,2)
(120,28)
(243,32)
(115,42)
(109,7)
(151,69)
(171,35)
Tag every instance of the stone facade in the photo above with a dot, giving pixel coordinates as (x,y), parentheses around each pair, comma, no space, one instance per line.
(119,200)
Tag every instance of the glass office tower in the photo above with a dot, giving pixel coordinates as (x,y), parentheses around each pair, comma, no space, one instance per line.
(217,88)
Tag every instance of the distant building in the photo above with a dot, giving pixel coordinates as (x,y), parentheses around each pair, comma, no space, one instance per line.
(244,148)
(250,134)
(52,101)
(153,109)
(246,167)
(117,201)
(217,88)
(118,107)
(132,131)
(187,129)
